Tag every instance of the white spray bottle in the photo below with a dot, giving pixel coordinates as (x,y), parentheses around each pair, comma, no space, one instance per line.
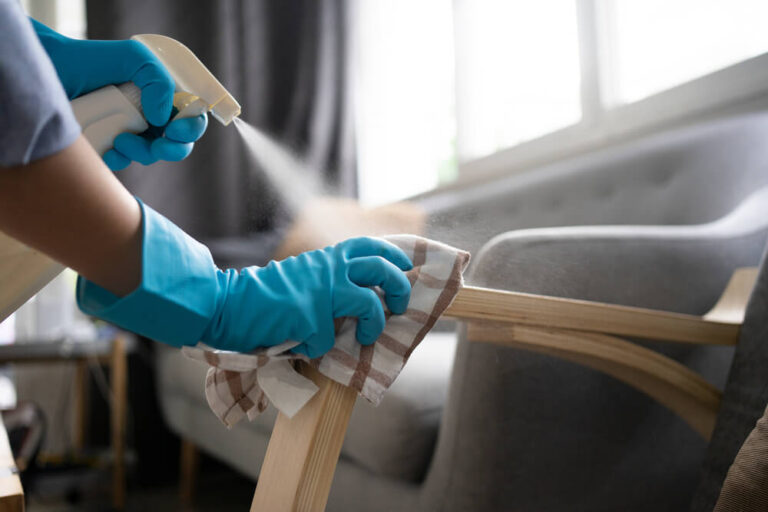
(111,110)
(103,114)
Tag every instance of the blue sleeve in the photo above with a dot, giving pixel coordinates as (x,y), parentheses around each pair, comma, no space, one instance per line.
(35,117)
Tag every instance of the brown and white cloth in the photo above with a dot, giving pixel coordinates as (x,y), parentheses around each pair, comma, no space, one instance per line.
(238,385)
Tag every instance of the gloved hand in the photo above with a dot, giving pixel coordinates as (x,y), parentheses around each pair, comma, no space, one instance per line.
(84,66)
(184,297)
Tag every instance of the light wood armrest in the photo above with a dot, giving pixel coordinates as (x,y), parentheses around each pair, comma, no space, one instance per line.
(11,492)
(577,331)
(474,304)
(329,220)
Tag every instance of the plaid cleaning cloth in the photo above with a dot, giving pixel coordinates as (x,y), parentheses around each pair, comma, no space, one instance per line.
(238,385)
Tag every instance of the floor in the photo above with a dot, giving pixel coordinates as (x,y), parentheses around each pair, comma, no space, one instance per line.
(219,488)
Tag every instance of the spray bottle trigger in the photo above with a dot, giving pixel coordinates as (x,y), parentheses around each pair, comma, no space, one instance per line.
(155,132)
(184,105)
(188,105)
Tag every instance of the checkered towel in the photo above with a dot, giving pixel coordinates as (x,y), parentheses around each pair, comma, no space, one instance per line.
(240,385)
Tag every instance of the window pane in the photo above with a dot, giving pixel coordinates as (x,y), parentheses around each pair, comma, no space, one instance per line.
(70,18)
(661,43)
(64,16)
(404,97)
(518,71)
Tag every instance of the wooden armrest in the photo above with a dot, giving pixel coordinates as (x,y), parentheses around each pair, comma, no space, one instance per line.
(329,220)
(577,331)
(474,304)
(11,492)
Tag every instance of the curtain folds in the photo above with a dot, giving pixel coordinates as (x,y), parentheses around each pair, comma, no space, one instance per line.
(286,62)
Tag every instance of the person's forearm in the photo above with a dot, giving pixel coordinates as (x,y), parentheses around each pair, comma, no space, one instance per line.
(72,208)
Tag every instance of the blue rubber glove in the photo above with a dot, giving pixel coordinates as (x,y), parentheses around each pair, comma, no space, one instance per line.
(84,66)
(184,297)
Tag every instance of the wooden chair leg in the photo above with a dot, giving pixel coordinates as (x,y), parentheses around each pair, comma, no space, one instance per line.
(303,451)
(11,492)
(188,465)
(81,406)
(118,378)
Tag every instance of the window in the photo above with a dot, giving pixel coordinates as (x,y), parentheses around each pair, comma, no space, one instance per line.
(64,16)
(659,44)
(518,72)
(533,81)
(404,99)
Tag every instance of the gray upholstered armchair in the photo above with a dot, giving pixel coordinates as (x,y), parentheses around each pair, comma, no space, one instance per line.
(526,431)
(518,430)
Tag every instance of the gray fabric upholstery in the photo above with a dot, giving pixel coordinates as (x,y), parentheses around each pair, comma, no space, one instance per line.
(397,438)
(744,398)
(524,431)
(688,176)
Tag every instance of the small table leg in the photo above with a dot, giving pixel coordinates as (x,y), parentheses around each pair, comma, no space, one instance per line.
(118,377)
(81,405)
(188,472)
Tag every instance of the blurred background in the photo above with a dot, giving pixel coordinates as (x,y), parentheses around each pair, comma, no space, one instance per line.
(383,102)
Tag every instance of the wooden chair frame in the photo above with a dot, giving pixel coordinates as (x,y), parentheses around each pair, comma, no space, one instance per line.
(303,451)
(11,492)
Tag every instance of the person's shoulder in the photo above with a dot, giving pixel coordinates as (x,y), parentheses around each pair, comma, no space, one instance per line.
(35,117)
(11,13)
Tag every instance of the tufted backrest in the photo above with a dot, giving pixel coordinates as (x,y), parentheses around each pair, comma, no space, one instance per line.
(690,175)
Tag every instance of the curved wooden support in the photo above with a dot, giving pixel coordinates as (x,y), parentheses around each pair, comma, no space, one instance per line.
(670,383)
(483,304)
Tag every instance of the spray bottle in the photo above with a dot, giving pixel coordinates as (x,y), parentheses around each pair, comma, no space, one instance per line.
(111,110)
(103,114)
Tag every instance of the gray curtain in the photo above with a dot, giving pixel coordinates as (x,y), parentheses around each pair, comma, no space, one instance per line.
(285,62)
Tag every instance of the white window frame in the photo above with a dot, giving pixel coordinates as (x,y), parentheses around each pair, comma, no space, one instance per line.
(742,87)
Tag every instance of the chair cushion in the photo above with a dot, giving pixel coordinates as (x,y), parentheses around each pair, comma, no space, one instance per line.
(395,439)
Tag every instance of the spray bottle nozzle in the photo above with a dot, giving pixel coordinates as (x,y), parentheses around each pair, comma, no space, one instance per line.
(193,78)
(225,110)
